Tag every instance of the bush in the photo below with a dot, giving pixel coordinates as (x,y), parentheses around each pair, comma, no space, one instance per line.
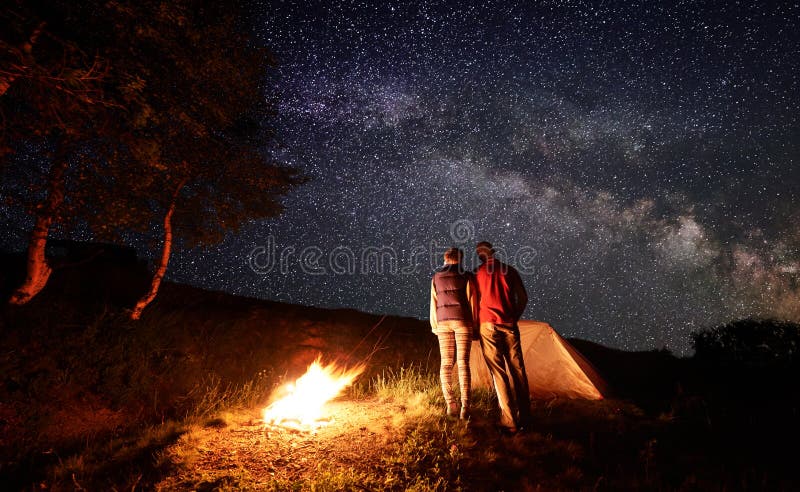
(751,342)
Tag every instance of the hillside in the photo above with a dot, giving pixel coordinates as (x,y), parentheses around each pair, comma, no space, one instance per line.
(74,366)
(92,400)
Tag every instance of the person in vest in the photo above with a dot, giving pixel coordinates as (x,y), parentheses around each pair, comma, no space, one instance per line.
(454,322)
(501,302)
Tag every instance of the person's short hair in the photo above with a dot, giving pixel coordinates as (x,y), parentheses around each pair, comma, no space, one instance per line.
(453,255)
(484,249)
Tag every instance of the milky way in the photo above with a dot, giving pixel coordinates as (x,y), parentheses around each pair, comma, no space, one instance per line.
(637,162)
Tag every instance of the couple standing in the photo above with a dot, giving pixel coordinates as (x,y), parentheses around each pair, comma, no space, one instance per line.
(485,305)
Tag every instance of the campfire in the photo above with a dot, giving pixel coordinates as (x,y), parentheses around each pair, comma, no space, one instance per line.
(303,406)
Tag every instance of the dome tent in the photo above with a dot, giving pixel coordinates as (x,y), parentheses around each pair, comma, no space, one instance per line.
(554,367)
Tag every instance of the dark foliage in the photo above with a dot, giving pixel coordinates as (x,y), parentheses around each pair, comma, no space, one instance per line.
(749,342)
(120,118)
(141,99)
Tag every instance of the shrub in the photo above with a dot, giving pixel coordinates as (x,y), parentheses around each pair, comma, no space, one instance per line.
(751,342)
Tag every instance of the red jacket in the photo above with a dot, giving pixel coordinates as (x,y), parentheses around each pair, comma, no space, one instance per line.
(501,295)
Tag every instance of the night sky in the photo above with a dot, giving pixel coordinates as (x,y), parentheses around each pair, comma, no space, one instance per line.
(636,162)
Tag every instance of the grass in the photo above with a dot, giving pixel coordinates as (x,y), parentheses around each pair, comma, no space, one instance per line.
(577,444)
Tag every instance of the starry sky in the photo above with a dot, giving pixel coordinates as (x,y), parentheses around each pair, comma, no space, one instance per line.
(636,161)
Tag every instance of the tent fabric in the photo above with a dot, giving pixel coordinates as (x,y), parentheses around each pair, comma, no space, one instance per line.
(554,367)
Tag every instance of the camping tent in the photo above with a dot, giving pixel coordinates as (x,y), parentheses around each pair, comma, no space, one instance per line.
(555,368)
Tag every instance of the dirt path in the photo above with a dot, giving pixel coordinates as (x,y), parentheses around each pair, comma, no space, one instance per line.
(247,451)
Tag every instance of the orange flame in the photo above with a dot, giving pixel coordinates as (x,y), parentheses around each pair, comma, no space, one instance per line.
(303,406)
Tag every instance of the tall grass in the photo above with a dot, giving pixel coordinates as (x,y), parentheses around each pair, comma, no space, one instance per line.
(416,382)
(404,383)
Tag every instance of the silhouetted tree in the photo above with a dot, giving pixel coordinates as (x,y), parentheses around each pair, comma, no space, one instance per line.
(202,136)
(177,136)
(51,93)
(749,342)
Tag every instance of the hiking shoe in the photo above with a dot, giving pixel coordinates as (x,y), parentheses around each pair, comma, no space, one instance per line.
(452,409)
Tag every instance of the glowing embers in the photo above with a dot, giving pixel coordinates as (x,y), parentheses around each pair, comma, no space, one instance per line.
(303,406)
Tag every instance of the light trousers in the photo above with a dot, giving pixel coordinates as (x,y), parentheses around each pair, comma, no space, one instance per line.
(455,340)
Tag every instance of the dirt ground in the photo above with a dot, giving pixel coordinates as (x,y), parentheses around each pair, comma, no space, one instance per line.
(355,435)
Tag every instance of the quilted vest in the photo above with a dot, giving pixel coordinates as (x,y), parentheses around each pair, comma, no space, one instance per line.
(451,294)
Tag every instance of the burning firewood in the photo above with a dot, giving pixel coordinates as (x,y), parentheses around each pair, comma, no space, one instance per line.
(303,406)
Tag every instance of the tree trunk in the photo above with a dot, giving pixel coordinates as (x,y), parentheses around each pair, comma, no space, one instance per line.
(38,271)
(161,269)
(5,82)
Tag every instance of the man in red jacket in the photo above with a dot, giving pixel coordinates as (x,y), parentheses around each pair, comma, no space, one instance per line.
(501,300)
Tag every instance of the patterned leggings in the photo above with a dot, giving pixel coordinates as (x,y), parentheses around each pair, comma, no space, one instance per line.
(448,341)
